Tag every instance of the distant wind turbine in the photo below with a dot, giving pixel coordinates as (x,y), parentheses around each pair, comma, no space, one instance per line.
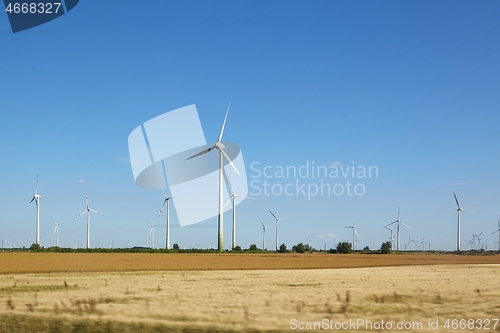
(498,230)
(152,234)
(220,146)
(87,211)
(56,231)
(354,237)
(232,199)
(264,236)
(166,202)
(277,220)
(36,198)
(459,209)
(398,221)
(392,237)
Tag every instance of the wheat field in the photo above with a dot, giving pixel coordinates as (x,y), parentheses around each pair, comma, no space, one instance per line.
(252,300)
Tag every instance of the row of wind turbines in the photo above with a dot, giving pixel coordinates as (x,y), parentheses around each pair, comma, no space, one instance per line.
(36,198)
(423,242)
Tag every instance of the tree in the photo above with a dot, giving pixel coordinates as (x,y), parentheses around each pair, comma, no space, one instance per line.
(299,248)
(344,247)
(282,248)
(366,248)
(176,247)
(237,248)
(386,248)
(253,247)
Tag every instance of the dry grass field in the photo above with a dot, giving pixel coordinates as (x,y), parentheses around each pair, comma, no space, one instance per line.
(185,293)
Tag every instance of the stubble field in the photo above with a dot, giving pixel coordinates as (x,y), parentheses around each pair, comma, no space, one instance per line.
(246,292)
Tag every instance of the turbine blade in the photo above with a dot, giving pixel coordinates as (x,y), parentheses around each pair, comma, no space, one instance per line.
(161,209)
(229,160)
(55,229)
(81,214)
(227,203)
(391,223)
(273,215)
(263,226)
(223,124)
(32,200)
(95,212)
(201,153)
(456,199)
(405,225)
(228,182)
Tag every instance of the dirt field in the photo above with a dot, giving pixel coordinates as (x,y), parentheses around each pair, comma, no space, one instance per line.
(226,293)
(113,262)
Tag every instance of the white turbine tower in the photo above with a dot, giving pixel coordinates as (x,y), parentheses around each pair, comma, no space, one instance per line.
(87,211)
(398,221)
(354,237)
(459,209)
(37,197)
(277,220)
(152,234)
(232,199)
(220,146)
(166,202)
(498,230)
(264,236)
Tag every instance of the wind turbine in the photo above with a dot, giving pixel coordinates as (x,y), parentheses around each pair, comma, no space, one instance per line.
(409,242)
(264,236)
(277,220)
(166,202)
(152,234)
(423,242)
(478,237)
(87,211)
(56,231)
(398,221)
(37,197)
(354,237)
(392,237)
(459,209)
(220,146)
(498,230)
(233,198)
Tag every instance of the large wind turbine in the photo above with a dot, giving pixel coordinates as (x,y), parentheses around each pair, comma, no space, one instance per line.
(354,237)
(87,211)
(220,146)
(166,202)
(264,236)
(37,197)
(277,220)
(398,221)
(459,209)
(498,230)
(232,199)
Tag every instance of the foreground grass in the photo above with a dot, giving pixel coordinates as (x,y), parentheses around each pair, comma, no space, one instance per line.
(245,300)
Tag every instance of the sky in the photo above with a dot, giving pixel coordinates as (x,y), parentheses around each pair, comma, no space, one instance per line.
(409,88)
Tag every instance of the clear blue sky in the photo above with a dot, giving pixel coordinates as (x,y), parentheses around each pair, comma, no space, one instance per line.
(410,87)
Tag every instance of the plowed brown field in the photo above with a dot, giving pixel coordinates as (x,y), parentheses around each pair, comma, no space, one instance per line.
(11,263)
